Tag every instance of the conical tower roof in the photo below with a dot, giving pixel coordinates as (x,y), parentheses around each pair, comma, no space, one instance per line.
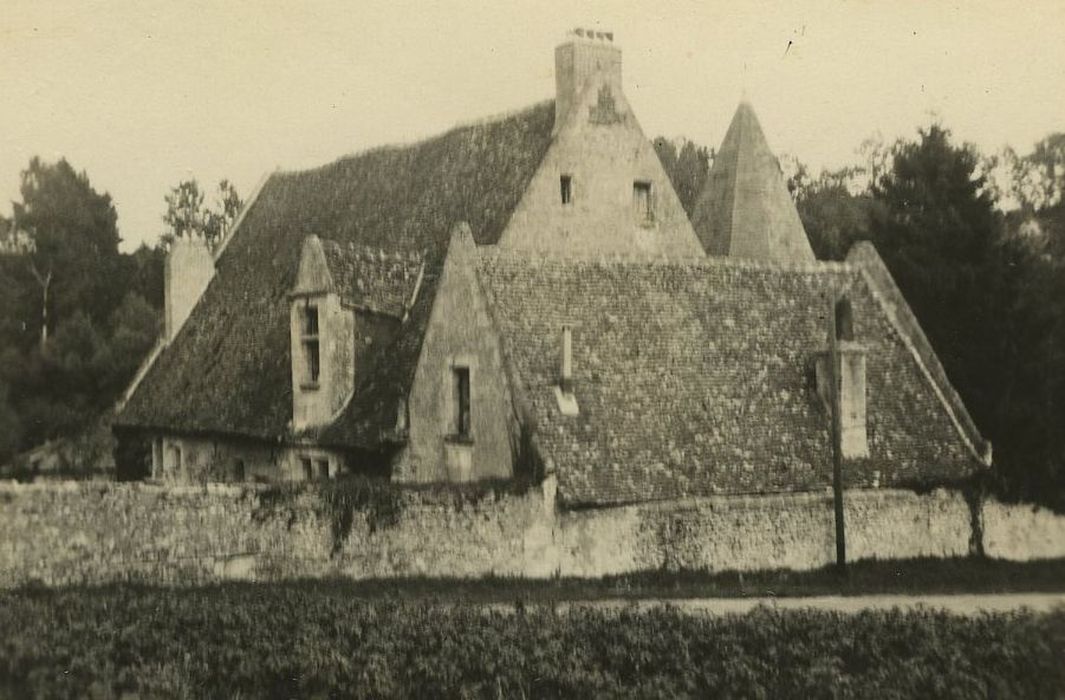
(745,210)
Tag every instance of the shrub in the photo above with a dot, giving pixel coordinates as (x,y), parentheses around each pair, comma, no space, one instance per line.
(315,641)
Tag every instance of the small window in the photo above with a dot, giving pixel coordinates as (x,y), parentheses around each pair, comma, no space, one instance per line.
(310,351)
(310,321)
(309,341)
(238,470)
(566,187)
(844,320)
(461,392)
(307,467)
(322,468)
(643,202)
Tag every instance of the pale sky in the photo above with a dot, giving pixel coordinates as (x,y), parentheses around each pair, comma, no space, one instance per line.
(144,94)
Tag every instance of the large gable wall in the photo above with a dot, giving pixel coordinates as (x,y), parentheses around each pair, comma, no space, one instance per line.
(602,148)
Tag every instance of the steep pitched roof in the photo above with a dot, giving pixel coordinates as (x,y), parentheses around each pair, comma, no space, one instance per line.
(373,280)
(745,210)
(227,371)
(696,378)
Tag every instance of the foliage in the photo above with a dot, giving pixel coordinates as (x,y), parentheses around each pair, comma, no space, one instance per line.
(833,216)
(990,303)
(379,501)
(74,230)
(187,217)
(295,641)
(76,315)
(687,166)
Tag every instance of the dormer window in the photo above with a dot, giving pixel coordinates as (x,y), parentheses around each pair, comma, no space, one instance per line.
(643,202)
(310,344)
(310,321)
(566,188)
(844,320)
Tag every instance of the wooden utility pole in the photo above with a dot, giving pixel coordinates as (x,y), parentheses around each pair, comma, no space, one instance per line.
(834,379)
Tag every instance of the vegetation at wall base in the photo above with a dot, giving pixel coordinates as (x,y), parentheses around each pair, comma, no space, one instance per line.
(296,641)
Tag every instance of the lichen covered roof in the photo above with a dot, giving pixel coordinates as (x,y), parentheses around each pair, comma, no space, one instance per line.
(373,280)
(696,378)
(227,371)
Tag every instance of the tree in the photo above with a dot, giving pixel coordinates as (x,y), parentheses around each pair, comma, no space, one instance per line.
(71,332)
(187,217)
(833,217)
(74,234)
(687,168)
(938,229)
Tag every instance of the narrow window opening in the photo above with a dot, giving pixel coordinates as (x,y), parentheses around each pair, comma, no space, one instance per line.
(844,320)
(238,470)
(313,360)
(566,188)
(307,468)
(461,390)
(311,349)
(322,468)
(642,202)
(310,321)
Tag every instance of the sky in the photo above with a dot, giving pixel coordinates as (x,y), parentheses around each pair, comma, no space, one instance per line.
(142,95)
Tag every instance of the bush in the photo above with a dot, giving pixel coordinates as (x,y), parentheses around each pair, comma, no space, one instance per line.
(316,641)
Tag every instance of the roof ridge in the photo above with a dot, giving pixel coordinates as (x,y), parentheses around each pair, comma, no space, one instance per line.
(418,141)
(492,253)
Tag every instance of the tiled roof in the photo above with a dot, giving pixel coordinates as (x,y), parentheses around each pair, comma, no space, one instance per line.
(696,378)
(371,279)
(228,369)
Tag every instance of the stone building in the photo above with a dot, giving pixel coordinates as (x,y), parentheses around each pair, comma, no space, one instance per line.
(526,296)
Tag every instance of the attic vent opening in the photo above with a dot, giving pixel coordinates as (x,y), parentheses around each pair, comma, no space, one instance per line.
(844,320)
(643,202)
(565,183)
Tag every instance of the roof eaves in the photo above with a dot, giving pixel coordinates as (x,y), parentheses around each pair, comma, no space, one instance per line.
(912,337)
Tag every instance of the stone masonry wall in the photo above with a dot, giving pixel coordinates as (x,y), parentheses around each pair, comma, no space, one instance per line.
(59,534)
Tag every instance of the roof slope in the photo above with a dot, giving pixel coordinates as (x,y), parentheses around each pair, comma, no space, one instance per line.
(696,378)
(227,371)
(373,280)
(745,210)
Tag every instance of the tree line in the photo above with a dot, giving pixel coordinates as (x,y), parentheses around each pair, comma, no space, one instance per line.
(987,286)
(77,315)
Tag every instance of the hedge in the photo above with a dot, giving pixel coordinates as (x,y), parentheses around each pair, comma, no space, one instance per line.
(304,641)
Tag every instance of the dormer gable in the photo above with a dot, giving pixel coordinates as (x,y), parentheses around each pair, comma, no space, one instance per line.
(337,284)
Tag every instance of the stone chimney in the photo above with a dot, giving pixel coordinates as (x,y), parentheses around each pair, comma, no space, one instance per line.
(189,269)
(584,53)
